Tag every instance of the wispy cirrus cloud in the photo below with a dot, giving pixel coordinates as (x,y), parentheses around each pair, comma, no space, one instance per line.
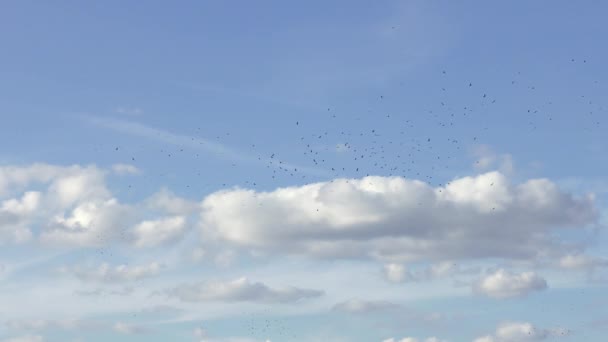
(214,148)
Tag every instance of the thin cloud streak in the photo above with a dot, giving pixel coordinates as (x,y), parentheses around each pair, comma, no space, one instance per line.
(211,147)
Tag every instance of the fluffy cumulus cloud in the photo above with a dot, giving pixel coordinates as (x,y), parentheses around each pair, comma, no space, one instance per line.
(166,201)
(16,215)
(397,219)
(72,206)
(240,290)
(358,306)
(387,218)
(15,177)
(156,232)
(522,332)
(91,223)
(505,284)
(106,273)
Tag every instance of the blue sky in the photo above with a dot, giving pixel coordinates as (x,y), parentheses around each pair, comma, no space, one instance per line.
(395,171)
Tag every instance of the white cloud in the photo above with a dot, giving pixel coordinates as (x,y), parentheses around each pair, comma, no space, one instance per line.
(168,202)
(210,146)
(582,262)
(199,333)
(141,130)
(63,324)
(358,306)
(434,339)
(91,223)
(15,216)
(165,310)
(396,219)
(504,284)
(398,273)
(522,332)
(413,339)
(13,178)
(486,338)
(124,291)
(225,258)
(73,325)
(26,205)
(157,232)
(78,184)
(106,273)
(487,159)
(125,169)
(240,290)
(25,338)
(75,208)
(388,218)
(127,329)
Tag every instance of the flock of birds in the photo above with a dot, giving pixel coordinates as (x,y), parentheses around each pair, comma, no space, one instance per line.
(382,141)
(429,145)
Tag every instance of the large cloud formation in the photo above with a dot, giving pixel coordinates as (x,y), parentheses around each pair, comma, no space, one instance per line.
(391,219)
(396,219)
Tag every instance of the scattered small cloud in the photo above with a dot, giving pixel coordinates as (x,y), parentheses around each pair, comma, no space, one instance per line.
(25,338)
(503,284)
(105,273)
(582,262)
(398,273)
(486,159)
(130,111)
(522,332)
(127,329)
(125,169)
(413,339)
(240,290)
(357,306)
